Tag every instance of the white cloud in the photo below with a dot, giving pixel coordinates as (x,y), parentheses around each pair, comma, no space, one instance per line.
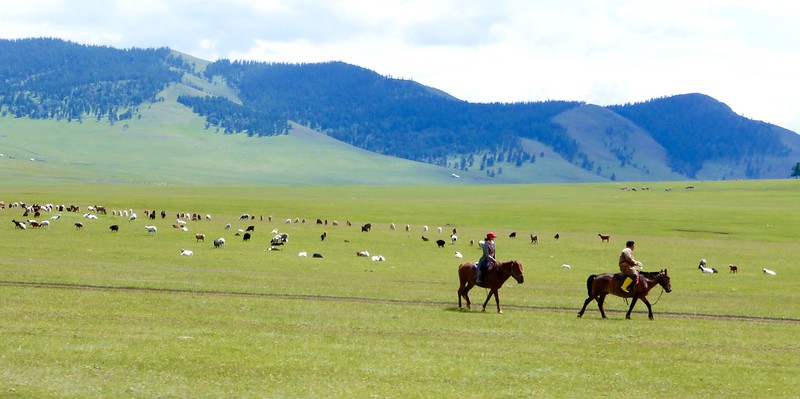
(604,51)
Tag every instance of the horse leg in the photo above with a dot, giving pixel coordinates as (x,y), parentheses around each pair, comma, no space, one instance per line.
(649,308)
(585,303)
(491,292)
(630,309)
(464,291)
(497,299)
(600,300)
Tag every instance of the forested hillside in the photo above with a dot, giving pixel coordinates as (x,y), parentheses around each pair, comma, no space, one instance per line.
(695,128)
(50,78)
(695,136)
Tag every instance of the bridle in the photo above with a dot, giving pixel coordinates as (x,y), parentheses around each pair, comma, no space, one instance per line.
(511,273)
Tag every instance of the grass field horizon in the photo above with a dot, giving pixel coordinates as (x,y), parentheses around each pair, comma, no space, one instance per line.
(90,313)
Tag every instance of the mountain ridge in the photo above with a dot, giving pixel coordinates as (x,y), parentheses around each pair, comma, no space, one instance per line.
(683,137)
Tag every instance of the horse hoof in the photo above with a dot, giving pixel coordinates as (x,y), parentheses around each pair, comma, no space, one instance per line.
(499,312)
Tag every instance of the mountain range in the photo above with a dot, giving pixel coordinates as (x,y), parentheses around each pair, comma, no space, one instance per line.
(404,125)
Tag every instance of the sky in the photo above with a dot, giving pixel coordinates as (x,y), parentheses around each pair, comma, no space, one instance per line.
(743,53)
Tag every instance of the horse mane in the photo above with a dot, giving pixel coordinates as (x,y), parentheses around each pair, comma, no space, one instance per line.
(650,274)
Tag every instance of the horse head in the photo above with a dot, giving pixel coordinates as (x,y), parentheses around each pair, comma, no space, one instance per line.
(663,280)
(516,271)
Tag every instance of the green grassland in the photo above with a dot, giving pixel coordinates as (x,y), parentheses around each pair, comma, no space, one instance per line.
(90,313)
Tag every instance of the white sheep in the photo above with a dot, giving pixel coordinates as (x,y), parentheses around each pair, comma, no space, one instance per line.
(453,238)
(186,252)
(151,229)
(770,272)
(566,266)
(132,217)
(458,255)
(378,258)
(303,254)
(707,270)
(362,253)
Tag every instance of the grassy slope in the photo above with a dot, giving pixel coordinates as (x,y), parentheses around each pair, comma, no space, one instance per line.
(169,145)
(409,342)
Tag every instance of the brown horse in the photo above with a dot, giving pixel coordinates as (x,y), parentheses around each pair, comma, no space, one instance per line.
(493,280)
(600,285)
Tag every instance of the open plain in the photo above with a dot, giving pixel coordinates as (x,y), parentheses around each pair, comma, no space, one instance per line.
(92,313)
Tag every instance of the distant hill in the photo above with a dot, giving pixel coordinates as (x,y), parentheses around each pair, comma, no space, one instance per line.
(682,137)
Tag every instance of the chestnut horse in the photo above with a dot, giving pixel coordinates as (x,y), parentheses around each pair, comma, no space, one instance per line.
(600,285)
(493,280)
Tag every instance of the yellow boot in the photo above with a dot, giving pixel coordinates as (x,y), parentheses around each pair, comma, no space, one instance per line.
(626,284)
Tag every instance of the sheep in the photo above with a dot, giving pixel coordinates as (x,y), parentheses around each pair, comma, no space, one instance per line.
(131,218)
(440,243)
(458,255)
(734,269)
(56,217)
(151,229)
(18,224)
(513,234)
(250,228)
(280,239)
(566,266)
(44,223)
(362,253)
(378,258)
(200,237)
(273,249)
(244,216)
(707,270)
(392,227)
(604,238)
(424,238)
(219,242)
(534,239)
(769,272)
(557,236)
(186,252)
(453,239)
(114,228)
(78,225)
(323,235)
(367,227)
(303,254)
(439,229)
(227,226)
(424,228)
(246,237)
(316,255)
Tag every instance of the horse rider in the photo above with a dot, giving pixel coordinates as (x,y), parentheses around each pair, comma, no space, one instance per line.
(487,259)
(627,265)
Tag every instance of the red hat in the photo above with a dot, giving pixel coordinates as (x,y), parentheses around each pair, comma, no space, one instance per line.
(490,235)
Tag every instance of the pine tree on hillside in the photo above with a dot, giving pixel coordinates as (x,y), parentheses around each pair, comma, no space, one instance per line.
(796,170)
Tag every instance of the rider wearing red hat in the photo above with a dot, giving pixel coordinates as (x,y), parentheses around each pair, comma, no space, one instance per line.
(487,259)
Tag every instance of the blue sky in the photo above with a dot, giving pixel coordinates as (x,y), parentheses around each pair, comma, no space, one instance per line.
(743,53)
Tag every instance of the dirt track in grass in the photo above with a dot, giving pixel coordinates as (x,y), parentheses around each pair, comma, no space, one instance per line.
(449,305)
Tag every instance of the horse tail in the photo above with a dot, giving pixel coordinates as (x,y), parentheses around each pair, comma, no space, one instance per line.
(589,282)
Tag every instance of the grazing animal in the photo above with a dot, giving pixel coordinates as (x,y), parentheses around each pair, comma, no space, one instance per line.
(367,227)
(557,236)
(493,279)
(151,229)
(458,255)
(604,238)
(534,239)
(424,238)
(453,239)
(219,242)
(440,243)
(250,228)
(704,269)
(378,258)
(78,225)
(18,224)
(246,237)
(362,253)
(114,228)
(227,226)
(439,229)
(770,272)
(566,266)
(280,239)
(186,252)
(132,217)
(392,227)
(323,235)
(600,285)
(707,270)
(513,234)
(303,254)
(734,269)
(200,237)
(244,216)
(316,255)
